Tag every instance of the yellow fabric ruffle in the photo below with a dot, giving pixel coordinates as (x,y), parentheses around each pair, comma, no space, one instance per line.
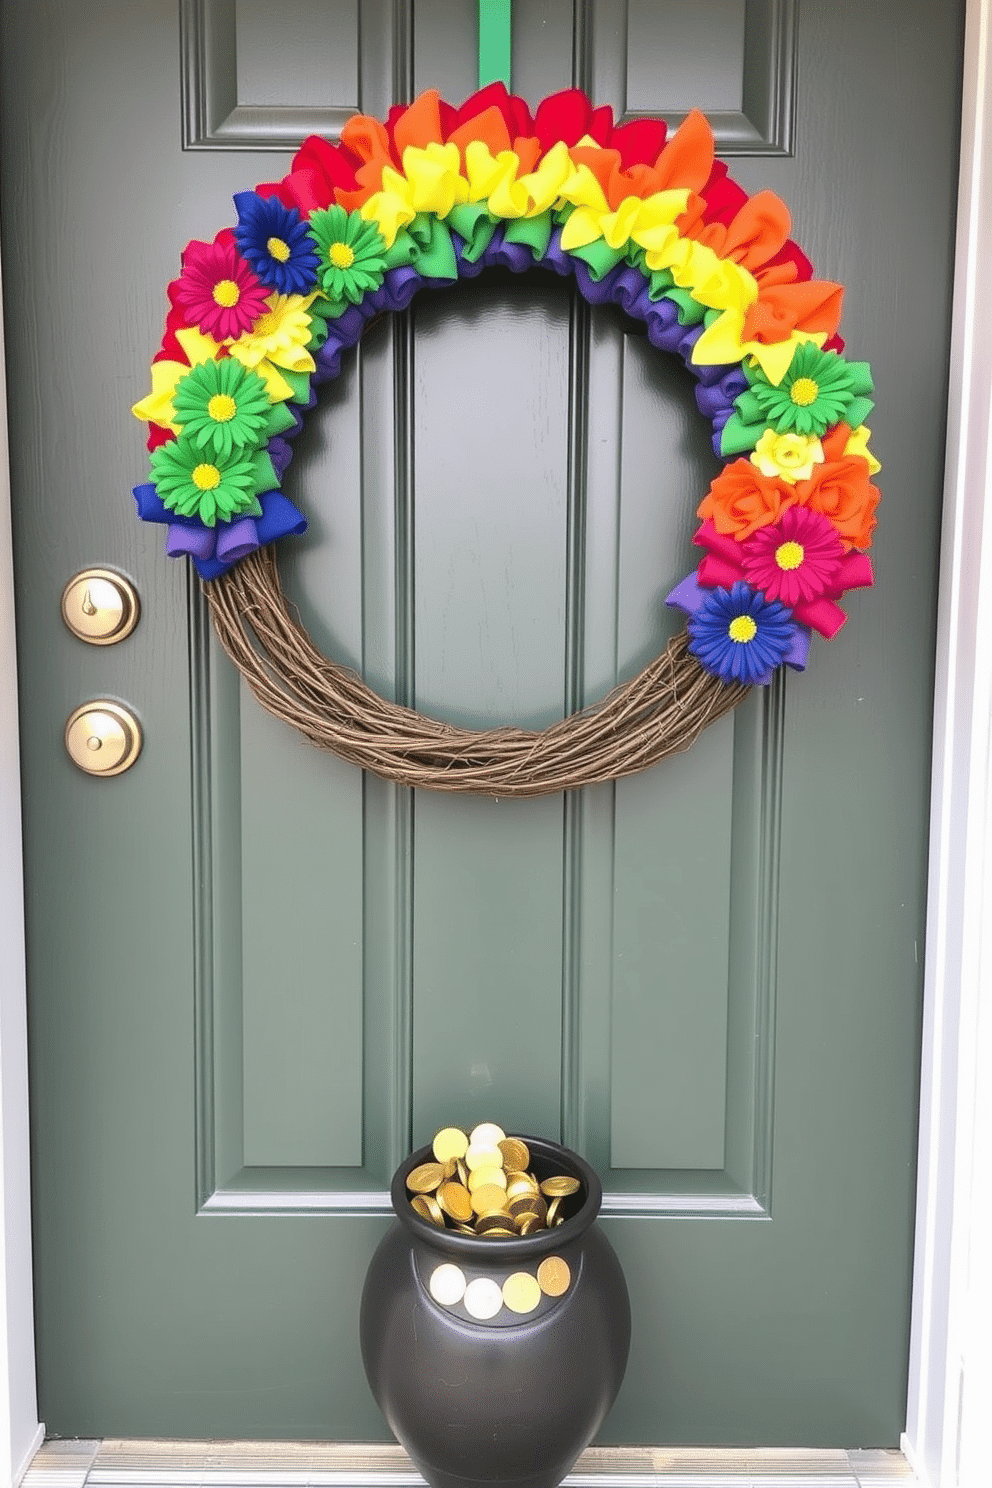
(157,407)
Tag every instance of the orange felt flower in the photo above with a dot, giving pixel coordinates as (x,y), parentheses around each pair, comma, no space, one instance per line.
(756,234)
(781,309)
(617,184)
(420,124)
(527,148)
(841,491)
(741,500)
(367,139)
(687,159)
(489,127)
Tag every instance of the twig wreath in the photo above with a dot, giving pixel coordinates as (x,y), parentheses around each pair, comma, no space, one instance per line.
(263,314)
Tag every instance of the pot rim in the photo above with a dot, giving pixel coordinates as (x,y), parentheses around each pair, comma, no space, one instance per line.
(472,1247)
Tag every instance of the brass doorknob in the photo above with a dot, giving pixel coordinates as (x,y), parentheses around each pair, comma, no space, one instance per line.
(100,606)
(103,738)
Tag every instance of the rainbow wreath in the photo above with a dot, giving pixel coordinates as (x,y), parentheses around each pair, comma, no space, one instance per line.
(263,314)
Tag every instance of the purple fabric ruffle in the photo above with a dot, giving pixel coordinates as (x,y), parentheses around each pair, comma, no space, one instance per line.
(214,549)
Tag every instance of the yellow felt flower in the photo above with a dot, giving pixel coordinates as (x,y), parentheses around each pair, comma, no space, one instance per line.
(278,339)
(723,285)
(431,182)
(648,222)
(581,188)
(790,457)
(858,445)
(392,207)
(157,407)
(486,172)
(722,343)
(494,180)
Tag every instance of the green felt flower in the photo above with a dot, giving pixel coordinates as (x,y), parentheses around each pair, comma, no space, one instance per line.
(350,252)
(819,389)
(222,407)
(202,484)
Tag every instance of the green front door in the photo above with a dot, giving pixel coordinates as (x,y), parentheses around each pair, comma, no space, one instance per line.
(256,977)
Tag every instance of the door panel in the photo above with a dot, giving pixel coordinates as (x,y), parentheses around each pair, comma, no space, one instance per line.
(256,976)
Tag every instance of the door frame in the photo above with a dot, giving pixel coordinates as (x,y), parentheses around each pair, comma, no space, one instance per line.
(950,1369)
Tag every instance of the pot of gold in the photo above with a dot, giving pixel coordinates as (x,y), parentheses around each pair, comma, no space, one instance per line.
(495,1321)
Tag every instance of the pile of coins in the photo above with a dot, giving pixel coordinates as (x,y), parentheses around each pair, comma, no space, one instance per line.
(484,1298)
(480,1183)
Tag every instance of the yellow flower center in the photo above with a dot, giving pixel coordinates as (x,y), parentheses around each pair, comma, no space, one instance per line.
(206,477)
(789,555)
(278,249)
(742,628)
(226,293)
(221,408)
(804,391)
(341,256)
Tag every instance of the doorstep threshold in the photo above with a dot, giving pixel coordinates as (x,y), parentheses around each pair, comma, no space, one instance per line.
(248,1464)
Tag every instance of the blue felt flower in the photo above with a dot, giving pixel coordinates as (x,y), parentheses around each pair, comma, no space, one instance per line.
(275,241)
(740,636)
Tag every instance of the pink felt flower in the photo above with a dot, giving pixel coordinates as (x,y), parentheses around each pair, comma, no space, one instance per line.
(218,291)
(797,558)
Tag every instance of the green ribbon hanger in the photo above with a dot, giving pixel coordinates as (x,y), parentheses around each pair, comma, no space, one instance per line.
(494,42)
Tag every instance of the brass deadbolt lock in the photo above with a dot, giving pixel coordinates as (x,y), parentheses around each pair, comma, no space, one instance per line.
(103,738)
(100,606)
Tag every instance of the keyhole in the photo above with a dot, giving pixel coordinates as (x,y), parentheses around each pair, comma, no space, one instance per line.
(88,607)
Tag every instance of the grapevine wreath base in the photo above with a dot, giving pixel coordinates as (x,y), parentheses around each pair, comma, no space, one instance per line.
(661,711)
(263,315)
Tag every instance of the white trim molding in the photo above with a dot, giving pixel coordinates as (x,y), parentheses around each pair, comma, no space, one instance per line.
(951,1343)
(20,1432)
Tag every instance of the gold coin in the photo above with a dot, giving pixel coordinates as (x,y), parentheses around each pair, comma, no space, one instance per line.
(489,1199)
(486,1134)
(449,1169)
(530,1224)
(494,1221)
(525,1202)
(462,1173)
(447,1284)
(554,1276)
(521,1183)
(455,1201)
(560,1186)
(553,1208)
(428,1209)
(464,1229)
(483,1157)
(521,1292)
(483,1298)
(450,1143)
(516,1156)
(529,1217)
(426,1178)
(496,1233)
(481,1176)
(531,1201)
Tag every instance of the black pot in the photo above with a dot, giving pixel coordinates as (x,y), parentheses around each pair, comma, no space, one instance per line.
(512,1399)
